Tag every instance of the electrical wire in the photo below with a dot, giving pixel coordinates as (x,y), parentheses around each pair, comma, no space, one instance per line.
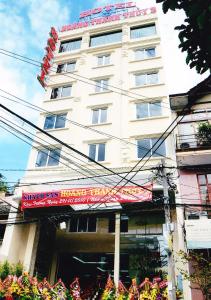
(39,109)
(109,182)
(67,74)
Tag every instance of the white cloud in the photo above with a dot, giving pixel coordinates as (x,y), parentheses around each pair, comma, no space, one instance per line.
(44,14)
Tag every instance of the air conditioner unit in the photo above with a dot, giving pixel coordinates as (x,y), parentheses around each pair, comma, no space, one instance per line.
(184,145)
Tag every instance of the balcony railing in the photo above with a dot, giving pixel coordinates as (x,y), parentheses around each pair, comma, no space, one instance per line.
(191,141)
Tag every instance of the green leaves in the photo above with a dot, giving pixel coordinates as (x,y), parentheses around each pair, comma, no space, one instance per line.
(195,34)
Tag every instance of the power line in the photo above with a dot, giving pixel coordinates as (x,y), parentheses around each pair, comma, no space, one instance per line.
(39,109)
(162,138)
(93,177)
(39,64)
(62,143)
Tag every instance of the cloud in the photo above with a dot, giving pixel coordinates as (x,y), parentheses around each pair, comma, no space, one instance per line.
(44,14)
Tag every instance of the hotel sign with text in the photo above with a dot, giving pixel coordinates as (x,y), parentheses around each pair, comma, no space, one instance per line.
(93,195)
(107,14)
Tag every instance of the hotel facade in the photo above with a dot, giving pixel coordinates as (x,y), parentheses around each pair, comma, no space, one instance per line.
(106,97)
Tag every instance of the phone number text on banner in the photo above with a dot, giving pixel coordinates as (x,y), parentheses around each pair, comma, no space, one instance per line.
(87,196)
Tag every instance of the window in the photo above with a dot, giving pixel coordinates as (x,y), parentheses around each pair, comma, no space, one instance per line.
(103,60)
(101,85)
(123,224)
(99,115)
(142,31)
(144,53)
(145,110)
(47,157)
(70,45)
(59,92)
(144,145)
(83,224)
(106,38)
(55,121)
(145,79)
(67,67)
(204,182)
(97,152)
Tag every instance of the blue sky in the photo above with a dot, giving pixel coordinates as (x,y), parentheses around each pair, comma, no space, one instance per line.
(24,27)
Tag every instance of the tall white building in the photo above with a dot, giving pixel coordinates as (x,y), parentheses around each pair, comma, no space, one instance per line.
(105,96)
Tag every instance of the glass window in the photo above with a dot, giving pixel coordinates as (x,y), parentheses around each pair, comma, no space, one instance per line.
(66,91)
(144,53)
(97,151)
(59,92)
(101,85)
(204,181)
(123,224)
(55,121)
(145,79)
(48,157)
(106,38)
(142,31)
(99,115)
(42,157)
(144,110)
(54,156)
(145,145)
(103,60)
(67,67)
(70,45)
(83,224)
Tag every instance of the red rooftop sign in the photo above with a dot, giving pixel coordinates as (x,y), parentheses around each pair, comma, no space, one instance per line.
(108,13)
(94,195)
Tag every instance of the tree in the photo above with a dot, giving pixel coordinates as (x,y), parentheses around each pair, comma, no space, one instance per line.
(200,274)
(195,34)
(3,185)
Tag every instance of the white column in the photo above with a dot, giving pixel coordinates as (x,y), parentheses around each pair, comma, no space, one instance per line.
(117,249)
(29,247)
(53,268)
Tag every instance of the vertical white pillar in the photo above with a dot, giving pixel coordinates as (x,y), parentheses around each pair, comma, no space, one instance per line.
(53,268)
(29,247)
(117,249)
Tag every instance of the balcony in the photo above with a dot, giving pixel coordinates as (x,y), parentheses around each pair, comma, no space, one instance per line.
(190,142)
(192,151)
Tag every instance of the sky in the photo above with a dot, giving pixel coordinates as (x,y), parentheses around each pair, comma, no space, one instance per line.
(24,28)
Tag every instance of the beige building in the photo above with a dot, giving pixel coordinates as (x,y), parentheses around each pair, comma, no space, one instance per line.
(105,96)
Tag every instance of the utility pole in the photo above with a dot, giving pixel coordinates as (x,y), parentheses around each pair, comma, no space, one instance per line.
(171,271)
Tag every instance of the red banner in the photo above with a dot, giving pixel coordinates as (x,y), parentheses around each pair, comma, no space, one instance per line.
(91,195)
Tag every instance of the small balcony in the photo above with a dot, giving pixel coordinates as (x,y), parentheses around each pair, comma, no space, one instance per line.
(190,142)
(192,151)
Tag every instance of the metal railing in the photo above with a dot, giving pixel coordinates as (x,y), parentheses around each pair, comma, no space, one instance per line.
(191,141)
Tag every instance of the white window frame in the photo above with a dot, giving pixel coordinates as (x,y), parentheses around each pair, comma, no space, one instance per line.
(145,51)
(155,153)
(65,67)
(48,156)
(97,150)
(99,109)
(146,78)
(99,87)
(55,119)
(60,90)
(149,110)
(104,58)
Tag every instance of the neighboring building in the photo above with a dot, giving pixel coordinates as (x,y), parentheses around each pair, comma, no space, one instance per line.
(193,150)
(110,78)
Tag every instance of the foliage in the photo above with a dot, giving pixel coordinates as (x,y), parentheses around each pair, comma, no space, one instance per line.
(201,270)
(195,34)
(3,185)
(10,269)
(204,134)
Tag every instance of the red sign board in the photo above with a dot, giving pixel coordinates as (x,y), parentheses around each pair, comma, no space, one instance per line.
(93,195)
(49,56)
